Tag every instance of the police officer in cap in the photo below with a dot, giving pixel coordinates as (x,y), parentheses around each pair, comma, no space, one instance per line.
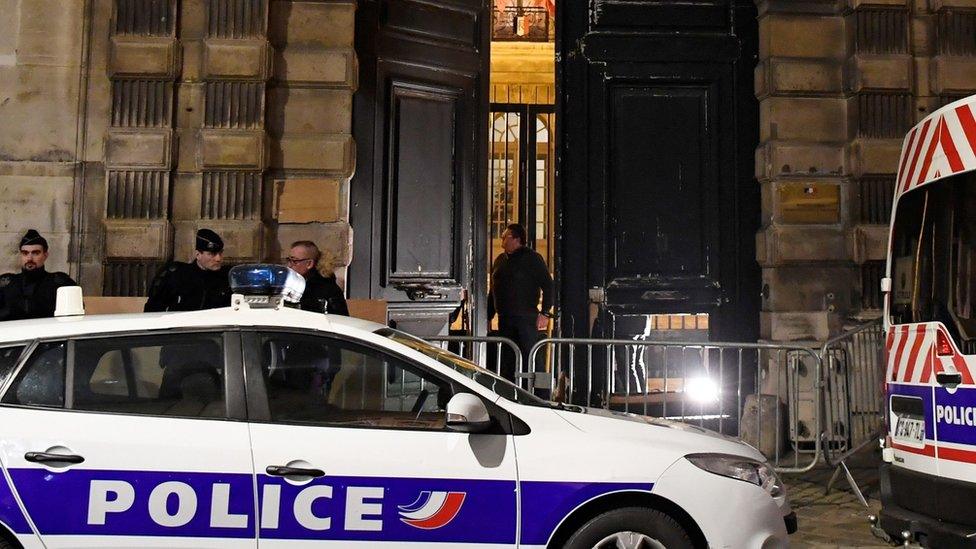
(31,293)
(201,284)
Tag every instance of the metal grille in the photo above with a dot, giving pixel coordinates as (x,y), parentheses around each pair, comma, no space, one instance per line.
(956,31)
(234,105)
(129,278)
(871,274)
(877,193)
(884,115)
(235,18)
(137,195)
(231,195)
(142,103)
(145,17)
(881,31)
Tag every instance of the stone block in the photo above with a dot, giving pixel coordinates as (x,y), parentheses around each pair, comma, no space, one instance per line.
(854,4)
(936,5)
(779,245)
(322,24)
(243,59)
(40,202)
(49,32)
(38,107)
(923,76)
(809,288)
(788,35)
(142,148)
(879,73)
(243,240)
(187,196)
(953,74)
(238,149)
(188,150)
(814,7)
(785,158)
(803,119)
(307,200)
(763,424)
(808,77)
(144,56)
(874,156)
(315,66)
(189,102)
(334,154)
(334,239)
(193,19)
(922,42)
(288,111)
(137,239)
(798,325)
(870,243)
(9,30)
(192,61)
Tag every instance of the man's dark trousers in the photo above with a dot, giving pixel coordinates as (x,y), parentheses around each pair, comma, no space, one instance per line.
(521,330)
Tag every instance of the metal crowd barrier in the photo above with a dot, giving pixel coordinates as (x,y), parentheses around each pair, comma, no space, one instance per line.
(854,370)
(795,404)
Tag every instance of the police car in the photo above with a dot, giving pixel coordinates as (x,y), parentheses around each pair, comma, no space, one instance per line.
(261,425)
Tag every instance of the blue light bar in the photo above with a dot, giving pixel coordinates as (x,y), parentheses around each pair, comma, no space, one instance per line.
(267,280)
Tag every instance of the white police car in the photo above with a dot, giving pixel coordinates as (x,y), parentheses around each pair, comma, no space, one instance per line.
(266,426)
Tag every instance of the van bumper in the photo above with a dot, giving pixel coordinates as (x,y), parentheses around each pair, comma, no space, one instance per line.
(928,531)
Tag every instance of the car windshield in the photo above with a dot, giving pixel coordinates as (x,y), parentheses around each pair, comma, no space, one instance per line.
(933,258)
(483,377)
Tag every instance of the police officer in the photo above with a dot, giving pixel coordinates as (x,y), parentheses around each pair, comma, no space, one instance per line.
(202,284)
(31,293)
(322,292)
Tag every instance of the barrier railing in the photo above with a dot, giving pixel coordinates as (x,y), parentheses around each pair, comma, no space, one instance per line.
(795,404)
(853,397)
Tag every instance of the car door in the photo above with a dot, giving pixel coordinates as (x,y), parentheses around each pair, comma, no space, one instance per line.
(350,444)
(131,440)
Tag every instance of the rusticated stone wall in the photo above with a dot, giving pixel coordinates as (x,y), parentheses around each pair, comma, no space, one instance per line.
(840,82)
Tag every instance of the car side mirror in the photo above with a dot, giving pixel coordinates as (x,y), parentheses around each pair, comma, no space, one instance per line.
(466,413)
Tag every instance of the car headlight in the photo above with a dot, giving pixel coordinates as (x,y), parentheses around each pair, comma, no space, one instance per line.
(740,468)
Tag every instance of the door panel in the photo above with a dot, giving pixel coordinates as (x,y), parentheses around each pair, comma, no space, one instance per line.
(369,430)
(419,125)
(140,464)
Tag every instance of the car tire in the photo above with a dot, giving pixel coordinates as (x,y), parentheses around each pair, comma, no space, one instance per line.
(4,544)
(635,527)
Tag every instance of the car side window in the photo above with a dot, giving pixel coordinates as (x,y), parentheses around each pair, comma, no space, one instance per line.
(8,360)
(41,380)
(179,375)
(315,380)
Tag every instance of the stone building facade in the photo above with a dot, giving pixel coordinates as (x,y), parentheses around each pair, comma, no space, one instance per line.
(128,124)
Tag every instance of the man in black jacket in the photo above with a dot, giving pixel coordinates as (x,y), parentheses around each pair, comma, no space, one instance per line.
(518,276)
(31,293)
(322,293)
(202,284)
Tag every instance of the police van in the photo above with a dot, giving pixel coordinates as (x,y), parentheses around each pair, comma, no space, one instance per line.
(928,479)
(264,426)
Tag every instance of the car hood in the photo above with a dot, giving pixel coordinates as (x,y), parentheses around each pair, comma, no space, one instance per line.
(673,434)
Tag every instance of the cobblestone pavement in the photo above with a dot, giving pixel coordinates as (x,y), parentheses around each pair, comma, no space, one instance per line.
(836,519)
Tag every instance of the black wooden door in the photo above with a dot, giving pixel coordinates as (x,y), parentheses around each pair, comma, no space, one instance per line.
(418,207)
(660,125)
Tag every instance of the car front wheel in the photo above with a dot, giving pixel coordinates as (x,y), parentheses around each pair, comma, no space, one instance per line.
(631,528)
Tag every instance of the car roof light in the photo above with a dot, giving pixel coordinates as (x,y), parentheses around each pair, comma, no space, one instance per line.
(266,285)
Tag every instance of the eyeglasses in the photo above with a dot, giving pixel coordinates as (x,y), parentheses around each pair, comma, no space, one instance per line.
(294,260)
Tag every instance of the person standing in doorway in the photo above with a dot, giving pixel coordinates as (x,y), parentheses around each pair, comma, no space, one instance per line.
(31,293)
(518,277)
(322,292)
(201,284)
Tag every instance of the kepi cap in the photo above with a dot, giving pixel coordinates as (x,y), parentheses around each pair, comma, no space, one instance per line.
(209,241)
(33,238)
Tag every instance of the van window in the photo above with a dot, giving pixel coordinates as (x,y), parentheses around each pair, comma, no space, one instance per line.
(933,263)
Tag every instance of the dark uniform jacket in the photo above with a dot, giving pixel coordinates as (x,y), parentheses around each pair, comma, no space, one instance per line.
(186,287)
(323,295)
(516,281)
(30,294)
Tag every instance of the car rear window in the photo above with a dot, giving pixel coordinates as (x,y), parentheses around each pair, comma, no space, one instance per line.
(8,360)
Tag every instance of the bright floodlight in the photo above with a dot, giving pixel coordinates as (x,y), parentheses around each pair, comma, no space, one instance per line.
(267,281)
(702,389)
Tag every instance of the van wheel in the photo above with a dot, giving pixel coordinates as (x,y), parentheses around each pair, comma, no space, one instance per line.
(631,528)
(4,544)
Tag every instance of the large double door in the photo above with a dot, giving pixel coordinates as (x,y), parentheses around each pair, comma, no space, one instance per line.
(417,197)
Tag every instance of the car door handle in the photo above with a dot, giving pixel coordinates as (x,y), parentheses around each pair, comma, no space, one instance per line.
(285,471)
(947,378)
(45,457)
